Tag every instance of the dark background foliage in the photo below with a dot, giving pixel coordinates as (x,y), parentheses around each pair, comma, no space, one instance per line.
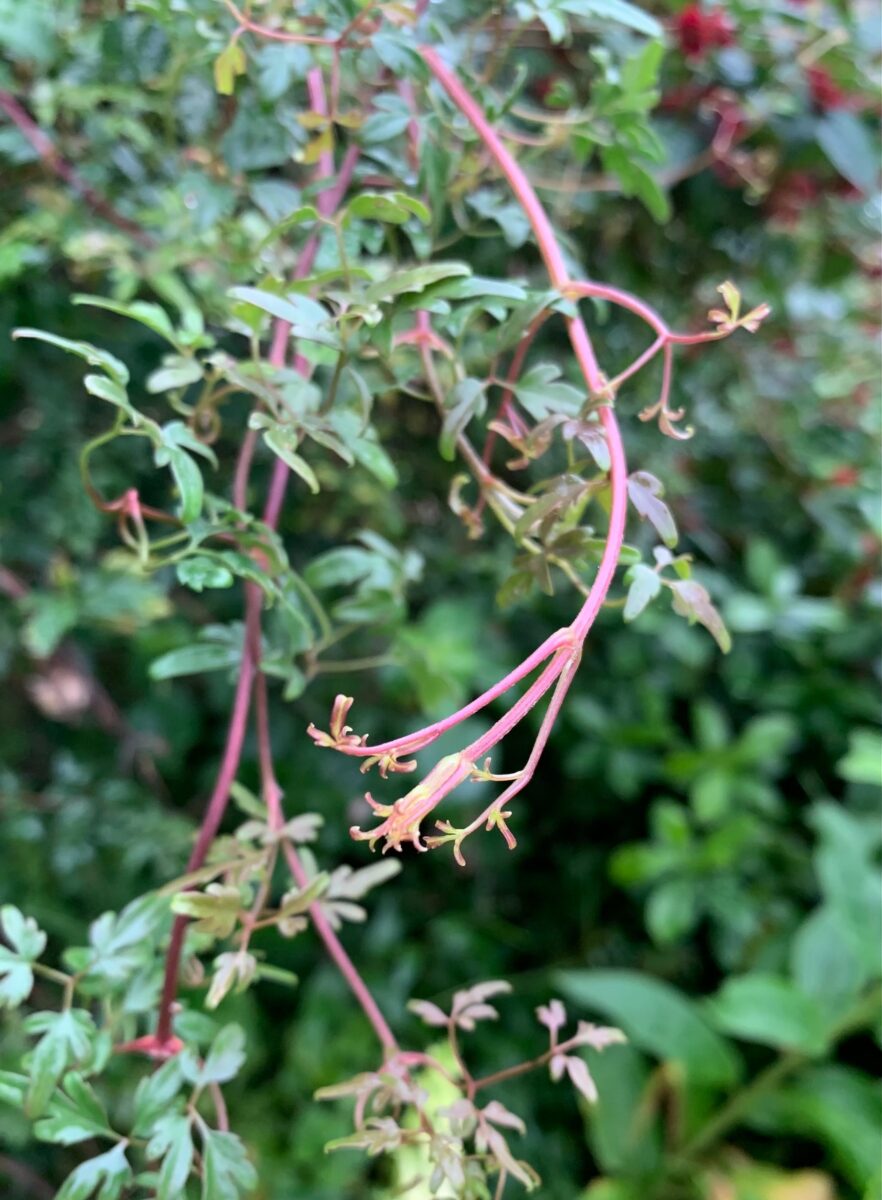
(692,811)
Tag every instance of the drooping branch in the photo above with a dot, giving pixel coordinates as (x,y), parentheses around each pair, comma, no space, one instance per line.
(403,818)
(164,1043)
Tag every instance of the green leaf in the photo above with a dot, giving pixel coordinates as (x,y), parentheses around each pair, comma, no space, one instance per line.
(52,615)
(173,1143)
(498,206)
(215,911)
(824,963)
(28,942)
(371,455)
(187,475)
(620,11)
(13,1088)
(67,1039)
(177,371)
(74,1114)
(111,391)
(306,316)
(121,945)
(672,910)
(636,181)
(342,565)
(540,394)
(188,478)
(849,878)
(417,279)
(177,434)
(305,212)
(151,315)
(245,567)
(467,400)
(101,1178)
(155,1094)
(656,1018)
(863,762)
(23,933)
(770,1010)
(850,148)
(117,370)
(691,600)
(194,659)
(16,979)
(283,442)
(225,1057)
(276,198)
(644,586)
(645,493)
(624,1133)
(279,65)
(201,572)
(227,1173)
(834,1105)
(479,286)
(393,208)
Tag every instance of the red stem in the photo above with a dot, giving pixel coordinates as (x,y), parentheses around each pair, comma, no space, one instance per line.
(232,753)
(216,807)
(50,157)
(272,795)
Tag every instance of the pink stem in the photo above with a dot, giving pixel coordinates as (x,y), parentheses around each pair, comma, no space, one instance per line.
(276,35)
(216,807)
(272,795)
(251,650)
(243,469)
(424,737)
(584,352)
(519,709)
(639,362)
(520,184)
(581,343)
(53,160)
(618,476)
(514,372)
(550,716)
(347,968)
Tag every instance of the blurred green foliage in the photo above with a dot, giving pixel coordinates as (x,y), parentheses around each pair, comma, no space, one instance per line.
(698,857)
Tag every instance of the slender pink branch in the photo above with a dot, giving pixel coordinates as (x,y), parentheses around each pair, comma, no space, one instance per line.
(232,753)
(623,299)
(618,477)
(514,372)
(220,1106)
(546,239)
(214,812)
(531,697)
(45,147)
(642,359)
(276,35)
(243,469)
(347,968)
(404,817)
(412,742)
(272,795)
(549,718)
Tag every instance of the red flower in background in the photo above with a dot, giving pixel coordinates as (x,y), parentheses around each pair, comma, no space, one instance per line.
(824,92)
(699,31)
